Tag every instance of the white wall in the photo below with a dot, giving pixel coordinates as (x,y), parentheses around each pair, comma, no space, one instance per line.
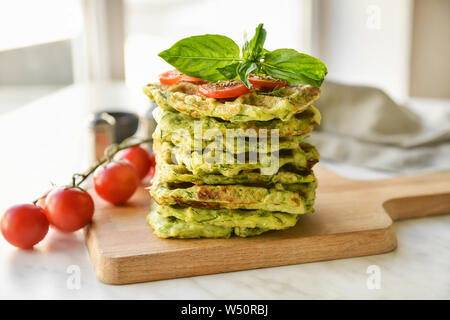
(366,42)
(153,26)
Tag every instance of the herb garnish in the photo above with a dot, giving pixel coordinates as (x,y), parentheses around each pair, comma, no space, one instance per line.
(214,57)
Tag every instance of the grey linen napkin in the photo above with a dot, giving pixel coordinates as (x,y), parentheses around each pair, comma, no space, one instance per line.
(364,126)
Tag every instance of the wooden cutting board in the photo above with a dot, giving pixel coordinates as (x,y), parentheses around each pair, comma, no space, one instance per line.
(352,218)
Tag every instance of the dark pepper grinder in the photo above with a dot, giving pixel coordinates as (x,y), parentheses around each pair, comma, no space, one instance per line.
(108,127)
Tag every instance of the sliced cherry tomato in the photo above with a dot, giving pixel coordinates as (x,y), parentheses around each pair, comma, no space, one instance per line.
(116,181)
(139,157)
(191,79)
(69,209)
(170,77)
(24,225)
(223,89)
(266,81)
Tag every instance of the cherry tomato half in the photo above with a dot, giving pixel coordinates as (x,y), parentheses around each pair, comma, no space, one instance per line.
(266,81)
(191,79)
(116,181)
(170,77)
(69,209)
(24,225)
(223,89)
(139,157)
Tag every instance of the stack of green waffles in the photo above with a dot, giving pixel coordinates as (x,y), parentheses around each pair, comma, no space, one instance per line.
(202,186)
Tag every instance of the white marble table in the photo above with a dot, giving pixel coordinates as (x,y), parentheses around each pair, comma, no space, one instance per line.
(46,141)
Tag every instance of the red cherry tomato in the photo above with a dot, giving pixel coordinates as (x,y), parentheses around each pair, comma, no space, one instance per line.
(151,172)
(170,77)
(69,209)
(266,82)
(116,182)
(223,90)
(24,225)
(139,157)
(152,160)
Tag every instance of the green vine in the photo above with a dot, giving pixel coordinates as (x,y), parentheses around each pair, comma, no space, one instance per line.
(109,154)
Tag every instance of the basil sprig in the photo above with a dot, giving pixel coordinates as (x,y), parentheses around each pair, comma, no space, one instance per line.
(214,57)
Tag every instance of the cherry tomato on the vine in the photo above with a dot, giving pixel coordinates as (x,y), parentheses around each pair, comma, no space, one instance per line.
(151,172)
(24,225)
(116,181)
(139,157)
(69,209)
(152,160)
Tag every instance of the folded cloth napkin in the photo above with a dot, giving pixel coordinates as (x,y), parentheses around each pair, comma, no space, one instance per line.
(364,126)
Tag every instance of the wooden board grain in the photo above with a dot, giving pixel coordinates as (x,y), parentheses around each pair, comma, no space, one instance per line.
(351,219)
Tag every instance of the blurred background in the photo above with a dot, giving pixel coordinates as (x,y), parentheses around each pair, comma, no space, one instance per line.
(385,102)
(401,47)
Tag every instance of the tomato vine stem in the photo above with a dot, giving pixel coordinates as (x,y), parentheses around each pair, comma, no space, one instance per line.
(110,152)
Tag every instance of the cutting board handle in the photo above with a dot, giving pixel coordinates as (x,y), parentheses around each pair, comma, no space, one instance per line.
(416,196)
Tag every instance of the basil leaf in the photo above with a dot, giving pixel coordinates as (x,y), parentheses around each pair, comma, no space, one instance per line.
(215,57)
(264,52)
(294,67)
(244,71)
(230,71)
(252,51)
(200,56)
